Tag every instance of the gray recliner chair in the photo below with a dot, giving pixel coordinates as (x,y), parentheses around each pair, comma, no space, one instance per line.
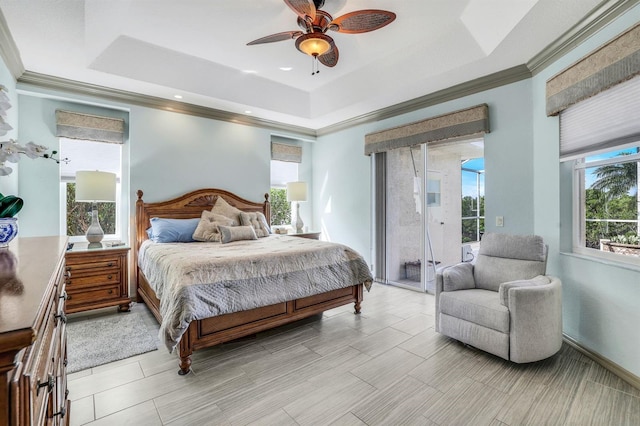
(503,304)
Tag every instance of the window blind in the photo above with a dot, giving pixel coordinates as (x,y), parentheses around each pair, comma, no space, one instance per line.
(449,127)
(75,125)
(606,120)
(286,152)
(609,65)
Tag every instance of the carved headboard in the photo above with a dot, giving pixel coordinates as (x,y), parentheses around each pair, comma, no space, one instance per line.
(189,205)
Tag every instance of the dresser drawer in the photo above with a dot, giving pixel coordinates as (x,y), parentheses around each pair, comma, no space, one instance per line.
(77,265)
(39,377)
(98,278)
(103,293)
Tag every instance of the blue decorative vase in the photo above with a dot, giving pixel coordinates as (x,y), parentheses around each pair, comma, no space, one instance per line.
(8,230)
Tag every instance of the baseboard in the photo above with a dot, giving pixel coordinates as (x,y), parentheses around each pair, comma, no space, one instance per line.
(625,375)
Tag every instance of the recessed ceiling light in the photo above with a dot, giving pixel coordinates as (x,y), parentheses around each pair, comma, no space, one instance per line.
(286,68)
(247,112)
(250,71)
(177,96)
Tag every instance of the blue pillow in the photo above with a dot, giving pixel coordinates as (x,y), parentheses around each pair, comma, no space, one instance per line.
(173,230)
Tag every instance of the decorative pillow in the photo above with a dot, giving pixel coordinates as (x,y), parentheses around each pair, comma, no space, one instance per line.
(257,221)
(226,209)
(173,230)
(236,233)
(458,277)
(504,287)
(207,229)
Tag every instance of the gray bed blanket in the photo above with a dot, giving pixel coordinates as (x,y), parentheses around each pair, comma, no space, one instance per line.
(201,280)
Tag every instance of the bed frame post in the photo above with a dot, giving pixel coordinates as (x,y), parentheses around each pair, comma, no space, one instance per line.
(185,350)
(140,231)
(266,209)
(359,295)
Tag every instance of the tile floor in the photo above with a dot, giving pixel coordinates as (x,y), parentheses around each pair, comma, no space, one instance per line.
(386,366)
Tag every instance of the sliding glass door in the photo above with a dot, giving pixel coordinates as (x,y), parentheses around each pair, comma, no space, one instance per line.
(419,215)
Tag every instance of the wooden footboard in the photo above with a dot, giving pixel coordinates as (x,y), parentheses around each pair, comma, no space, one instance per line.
(224,328)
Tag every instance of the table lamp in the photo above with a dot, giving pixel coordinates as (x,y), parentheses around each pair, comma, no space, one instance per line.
(297,191)
(94,187)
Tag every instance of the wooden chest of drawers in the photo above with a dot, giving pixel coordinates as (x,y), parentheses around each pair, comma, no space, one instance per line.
(33,388)
(97,278)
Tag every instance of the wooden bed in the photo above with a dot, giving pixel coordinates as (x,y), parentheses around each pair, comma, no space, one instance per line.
(211,331)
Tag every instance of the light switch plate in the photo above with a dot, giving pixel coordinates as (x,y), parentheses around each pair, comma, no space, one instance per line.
(500,221)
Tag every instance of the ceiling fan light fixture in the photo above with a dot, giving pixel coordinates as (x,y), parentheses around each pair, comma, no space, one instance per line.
(314,44)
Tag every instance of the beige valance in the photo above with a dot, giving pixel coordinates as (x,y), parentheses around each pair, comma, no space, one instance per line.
(75,125)
(286,152)
(607,66)
(468,122)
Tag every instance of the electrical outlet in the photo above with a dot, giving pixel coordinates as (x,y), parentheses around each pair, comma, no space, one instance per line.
(499,221)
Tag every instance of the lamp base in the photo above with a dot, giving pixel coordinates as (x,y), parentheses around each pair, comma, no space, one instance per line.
(95,234)
(299,223)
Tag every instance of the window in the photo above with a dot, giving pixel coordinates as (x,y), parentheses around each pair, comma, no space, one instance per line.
(607,202)
(88,155)
(281,173)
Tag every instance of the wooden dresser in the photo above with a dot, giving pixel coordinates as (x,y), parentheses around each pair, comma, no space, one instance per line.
(33,388)
(97,278)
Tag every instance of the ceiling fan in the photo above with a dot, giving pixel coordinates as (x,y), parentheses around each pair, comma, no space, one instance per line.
(314,22)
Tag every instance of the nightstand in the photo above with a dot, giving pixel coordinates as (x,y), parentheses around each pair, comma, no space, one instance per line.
(311,235)
(97,278)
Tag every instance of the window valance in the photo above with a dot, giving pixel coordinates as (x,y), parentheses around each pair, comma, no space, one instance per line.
(286,152)
(76,125)
(464,123)
(609,65)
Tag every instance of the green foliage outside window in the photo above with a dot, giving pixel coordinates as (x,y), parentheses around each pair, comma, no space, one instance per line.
(280,207)
(79,214)
(470,226)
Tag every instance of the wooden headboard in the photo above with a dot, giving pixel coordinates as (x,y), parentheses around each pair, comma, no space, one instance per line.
(189,205)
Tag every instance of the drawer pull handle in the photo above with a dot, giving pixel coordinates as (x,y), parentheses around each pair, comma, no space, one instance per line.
(110,264)
(68,268)
(110,291)
(68,297)
(49,384)
(109,277)
(62,317)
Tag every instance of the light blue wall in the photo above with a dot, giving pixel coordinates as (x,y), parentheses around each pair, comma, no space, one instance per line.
(166,154)
(342,173)
(39,183)
(9,184)
(601,301)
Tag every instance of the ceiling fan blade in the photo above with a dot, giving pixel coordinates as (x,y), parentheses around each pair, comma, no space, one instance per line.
(330,59)
(305,9)
(287,35)
(362,21)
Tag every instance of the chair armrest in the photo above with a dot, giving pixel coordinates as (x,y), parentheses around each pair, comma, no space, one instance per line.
(536,321)
(458,277)
(458,269)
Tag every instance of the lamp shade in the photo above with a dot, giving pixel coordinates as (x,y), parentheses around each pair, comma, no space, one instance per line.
(95,186)
(297,191)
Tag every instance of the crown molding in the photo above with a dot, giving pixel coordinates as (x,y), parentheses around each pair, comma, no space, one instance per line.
(9,51)
(79,88)
(491,81)
(599,17)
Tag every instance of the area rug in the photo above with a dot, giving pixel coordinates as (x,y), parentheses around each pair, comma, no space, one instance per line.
(93,342)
